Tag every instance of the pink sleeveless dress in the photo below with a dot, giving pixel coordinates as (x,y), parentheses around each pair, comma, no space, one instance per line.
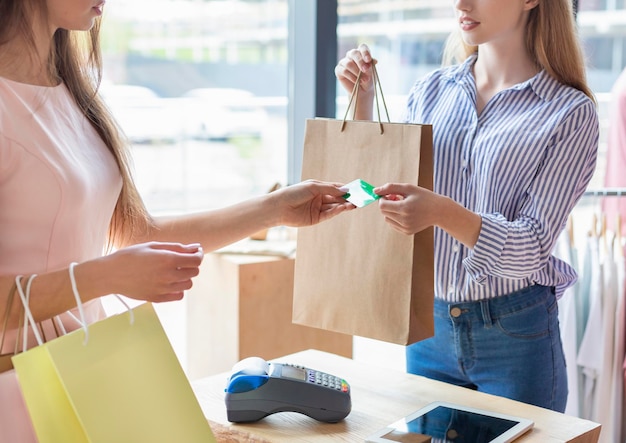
(58,188)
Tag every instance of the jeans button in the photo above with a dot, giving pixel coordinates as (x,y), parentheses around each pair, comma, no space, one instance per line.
(455,312)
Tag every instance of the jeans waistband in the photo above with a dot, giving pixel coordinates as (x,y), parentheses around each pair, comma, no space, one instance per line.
(496,306)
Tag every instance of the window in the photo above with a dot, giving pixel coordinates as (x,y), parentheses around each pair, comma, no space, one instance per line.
(200,89)
(201,86)
(407,37)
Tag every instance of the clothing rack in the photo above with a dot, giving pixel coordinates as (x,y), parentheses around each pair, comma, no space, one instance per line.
(605,192)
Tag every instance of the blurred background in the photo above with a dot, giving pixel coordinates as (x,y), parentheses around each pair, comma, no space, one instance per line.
(213,94)
(202,87)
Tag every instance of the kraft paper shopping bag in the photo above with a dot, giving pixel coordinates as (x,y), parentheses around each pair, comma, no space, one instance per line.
(355,274)
(5,357)
(124,385)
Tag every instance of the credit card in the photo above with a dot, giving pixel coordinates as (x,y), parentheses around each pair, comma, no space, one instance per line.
(360,193)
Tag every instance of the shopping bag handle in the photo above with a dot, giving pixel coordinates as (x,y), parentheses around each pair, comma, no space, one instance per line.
(355,94)
(28,315)
(80,305)
(5,323)
(55,321)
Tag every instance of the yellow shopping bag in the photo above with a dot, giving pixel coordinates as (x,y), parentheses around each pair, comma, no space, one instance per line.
(123,385)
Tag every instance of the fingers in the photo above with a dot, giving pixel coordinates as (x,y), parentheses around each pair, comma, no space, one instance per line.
(355,60)
(182,267)
(331,189)
(393,190)
(174,287)
(325,189)
(328,211)
(361,57)
(158,271)
(398,226)
(346,70)
(177,247)
(173,296)
(186,273)
(365,52)
(183,256)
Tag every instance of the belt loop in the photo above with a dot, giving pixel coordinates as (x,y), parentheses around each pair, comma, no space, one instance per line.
(484,308)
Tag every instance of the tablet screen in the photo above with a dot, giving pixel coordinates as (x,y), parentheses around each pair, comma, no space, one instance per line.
(449,424)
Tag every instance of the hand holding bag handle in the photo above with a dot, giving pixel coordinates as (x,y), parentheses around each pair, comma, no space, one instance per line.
(127,375)
(6,363)
(354,96)
(393,267)
(5,359)
(28,316)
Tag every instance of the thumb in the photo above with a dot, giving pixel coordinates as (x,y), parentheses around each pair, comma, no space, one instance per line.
(178,247)
(392,189)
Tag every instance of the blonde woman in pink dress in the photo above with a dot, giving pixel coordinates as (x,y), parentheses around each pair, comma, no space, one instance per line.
(67,195)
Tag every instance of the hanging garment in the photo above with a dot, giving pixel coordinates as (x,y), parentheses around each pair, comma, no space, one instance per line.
(602,411)
(616,153)
(566,251)
(617,381)
(583,303)
(624,403)
(589,354)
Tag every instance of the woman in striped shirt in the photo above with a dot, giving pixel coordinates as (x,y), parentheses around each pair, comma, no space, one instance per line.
(515,138)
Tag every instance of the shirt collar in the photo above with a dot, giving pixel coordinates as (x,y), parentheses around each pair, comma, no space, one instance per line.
(542,83)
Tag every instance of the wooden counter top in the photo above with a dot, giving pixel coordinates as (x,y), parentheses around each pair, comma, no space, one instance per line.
(379,397)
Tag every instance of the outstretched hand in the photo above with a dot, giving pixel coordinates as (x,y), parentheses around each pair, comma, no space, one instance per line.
(310,202)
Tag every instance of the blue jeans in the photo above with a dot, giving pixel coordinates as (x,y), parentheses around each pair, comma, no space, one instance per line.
(508,346)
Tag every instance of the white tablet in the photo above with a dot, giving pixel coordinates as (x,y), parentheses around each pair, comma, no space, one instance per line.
(452,423)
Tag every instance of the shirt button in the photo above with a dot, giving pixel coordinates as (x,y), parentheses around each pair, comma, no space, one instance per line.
(464,164)
(455,312)
(455,248)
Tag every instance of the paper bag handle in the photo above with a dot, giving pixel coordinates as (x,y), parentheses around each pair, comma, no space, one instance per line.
(355,94)
(80,305)
(5,323)
(58,325)
(28,315)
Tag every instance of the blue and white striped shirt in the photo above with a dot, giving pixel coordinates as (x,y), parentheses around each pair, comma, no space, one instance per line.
(522,165)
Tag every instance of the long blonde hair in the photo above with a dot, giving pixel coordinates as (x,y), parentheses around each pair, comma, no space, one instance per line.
(76,60)
(551,40)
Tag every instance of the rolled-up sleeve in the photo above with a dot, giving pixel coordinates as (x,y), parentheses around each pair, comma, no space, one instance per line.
(520,247)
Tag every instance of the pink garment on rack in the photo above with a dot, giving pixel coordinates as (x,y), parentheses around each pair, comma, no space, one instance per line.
(616,404)
(616,154)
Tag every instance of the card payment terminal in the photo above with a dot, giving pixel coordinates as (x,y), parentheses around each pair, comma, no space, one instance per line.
(257,388)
